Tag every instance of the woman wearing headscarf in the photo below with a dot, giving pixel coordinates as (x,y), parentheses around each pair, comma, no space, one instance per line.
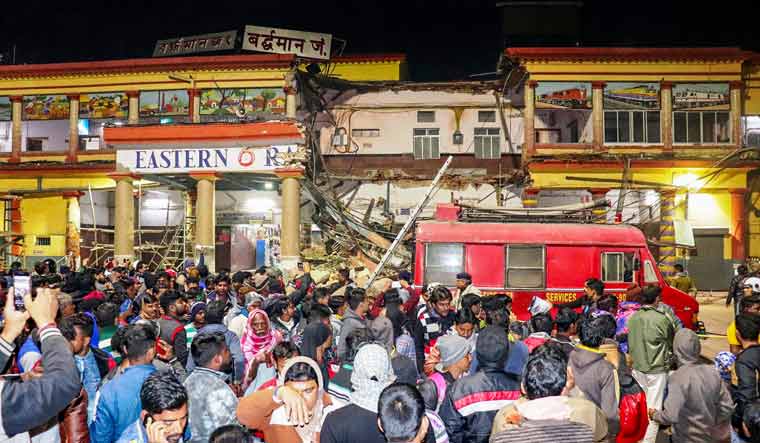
(257,342)
(293,411)
(317,338)
(357,422)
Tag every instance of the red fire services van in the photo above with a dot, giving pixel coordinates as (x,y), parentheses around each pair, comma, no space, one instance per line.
(551,260)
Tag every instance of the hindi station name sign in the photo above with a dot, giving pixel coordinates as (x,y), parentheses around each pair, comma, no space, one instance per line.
(185,160)
(219,41)
(285,41)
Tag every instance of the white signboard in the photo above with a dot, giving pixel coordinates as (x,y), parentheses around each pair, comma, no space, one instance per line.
(219,41)
(285,41)
(184,160)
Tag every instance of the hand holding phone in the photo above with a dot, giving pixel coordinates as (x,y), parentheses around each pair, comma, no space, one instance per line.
(15,320)
(22,286)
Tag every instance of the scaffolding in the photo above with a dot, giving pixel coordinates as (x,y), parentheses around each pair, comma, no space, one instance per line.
(174,246)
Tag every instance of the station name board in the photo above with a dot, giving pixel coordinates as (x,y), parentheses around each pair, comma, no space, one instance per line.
(183,160)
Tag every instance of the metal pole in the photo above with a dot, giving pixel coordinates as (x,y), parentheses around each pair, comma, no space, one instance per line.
(410,222)
(94,227)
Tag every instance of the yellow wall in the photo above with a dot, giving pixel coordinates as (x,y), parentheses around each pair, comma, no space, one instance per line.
(44,216)
(729,178)
(371,71)
(751,90)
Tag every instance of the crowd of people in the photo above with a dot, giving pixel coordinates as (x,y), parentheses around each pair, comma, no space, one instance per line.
(124,353)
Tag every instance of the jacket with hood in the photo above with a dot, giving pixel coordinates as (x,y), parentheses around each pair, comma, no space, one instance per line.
(471,403)
(698,404)
(747,368)
(595,377)
(650,340)
(351,322)
(259,410)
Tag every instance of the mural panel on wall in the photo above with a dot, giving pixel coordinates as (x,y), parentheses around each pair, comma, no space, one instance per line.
(239,102)
(46,107)
(563,95)
(627,95)
(5,108)
(104,105)
(701,97)
(158,103)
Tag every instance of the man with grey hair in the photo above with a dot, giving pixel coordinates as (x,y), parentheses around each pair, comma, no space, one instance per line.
(237,323)
(66,306)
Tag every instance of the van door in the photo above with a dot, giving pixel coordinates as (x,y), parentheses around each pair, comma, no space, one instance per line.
(619,270)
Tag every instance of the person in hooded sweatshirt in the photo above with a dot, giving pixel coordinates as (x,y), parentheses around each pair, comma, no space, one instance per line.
(594,375)
(698,405)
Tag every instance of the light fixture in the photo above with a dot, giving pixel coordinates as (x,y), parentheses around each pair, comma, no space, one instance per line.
(268,185)
(458,137)
(689,181)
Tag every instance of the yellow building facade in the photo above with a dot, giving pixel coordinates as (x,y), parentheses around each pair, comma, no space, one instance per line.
(665,120)
(50,154)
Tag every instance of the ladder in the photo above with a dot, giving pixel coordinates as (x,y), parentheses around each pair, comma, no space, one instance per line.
(410,222)
(174,246)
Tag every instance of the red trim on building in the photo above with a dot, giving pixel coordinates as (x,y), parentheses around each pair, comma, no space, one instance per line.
(629,53)
(17,98)
(73,96)
(56,90)
(598,84)
(736,84)
(132,94)
(532,83)
(197,132)
(666,85)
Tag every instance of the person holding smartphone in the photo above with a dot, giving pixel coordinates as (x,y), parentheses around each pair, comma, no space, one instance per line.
(163,418)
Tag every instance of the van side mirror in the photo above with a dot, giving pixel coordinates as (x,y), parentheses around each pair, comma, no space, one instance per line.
(636,264)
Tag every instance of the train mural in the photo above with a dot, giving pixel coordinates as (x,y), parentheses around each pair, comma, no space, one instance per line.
(563,95)
(695,96)
(632,96)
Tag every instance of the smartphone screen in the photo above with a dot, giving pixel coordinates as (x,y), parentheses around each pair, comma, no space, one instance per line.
(21,287)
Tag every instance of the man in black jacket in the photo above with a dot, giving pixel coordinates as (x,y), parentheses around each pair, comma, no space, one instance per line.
(433,321)
(747,366)
(26,405)
(471,403)
(594,290)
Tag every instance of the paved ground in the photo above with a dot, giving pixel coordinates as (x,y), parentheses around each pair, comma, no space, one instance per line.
(716,317)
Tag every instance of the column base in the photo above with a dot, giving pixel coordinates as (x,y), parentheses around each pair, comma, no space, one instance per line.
(209,256)
(289,264)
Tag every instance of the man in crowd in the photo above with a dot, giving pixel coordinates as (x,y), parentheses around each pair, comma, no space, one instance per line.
(750,305)
(593,290)
(698,402)
(650,342)
(682,281)
(566,322)
(547,414)
(747,367)
(77,329)
(471,402)
(401,414)
(27,405)
(464,286)
(736,288)
(353,318)
(214,318)
(171,326)
(163,415)
(118,404)
(432,322)
(212,402)
(594,375)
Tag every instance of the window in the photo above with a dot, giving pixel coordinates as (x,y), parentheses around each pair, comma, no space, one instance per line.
(425,116)
(42,241)
(617,266)
(701,127)
(525,266)
(487,143)
(486,116)
(632,127)
(443,261)
(35,144)
(365,133)
(753,138)
(426,144)
(649,275)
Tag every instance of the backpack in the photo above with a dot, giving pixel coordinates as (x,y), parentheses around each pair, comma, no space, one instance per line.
(440,385)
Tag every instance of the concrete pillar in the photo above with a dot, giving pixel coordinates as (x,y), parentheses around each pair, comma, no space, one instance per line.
(190,197)
(73,227)
(195,105)
(666,115)
(667,232)
(124,217)
(290,237)
(530,197)
(134,107)
(738,225)
(529,120)
(290,102)
(16,111)
(600,214)
(736,113)
(205,218)
(597,114)
(71,154)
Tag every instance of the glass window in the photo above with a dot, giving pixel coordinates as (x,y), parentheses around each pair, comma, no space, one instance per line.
(486,116)
(653,127)
(443,261)
(617,266)
(624,127)
(426,143)
(525,266)
(487,143)
(693,131)
(425,116)
(708,127)
(722,127)
(679,127)
(365,133)
(649,275)
(610,127)
(638,127)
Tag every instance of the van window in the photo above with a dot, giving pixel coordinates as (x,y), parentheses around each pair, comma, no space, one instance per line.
(649,275)
(443,261)
(617,266)
(525,266)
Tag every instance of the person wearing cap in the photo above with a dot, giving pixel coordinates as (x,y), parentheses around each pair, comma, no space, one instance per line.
(455,358)
(251,302)
(197,321)
(750,305)
(464,287)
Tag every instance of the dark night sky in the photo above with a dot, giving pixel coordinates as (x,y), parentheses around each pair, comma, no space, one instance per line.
(445,39)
